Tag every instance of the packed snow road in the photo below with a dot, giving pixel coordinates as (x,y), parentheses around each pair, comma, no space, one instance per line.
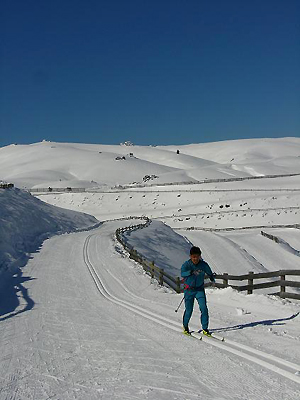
(84,322)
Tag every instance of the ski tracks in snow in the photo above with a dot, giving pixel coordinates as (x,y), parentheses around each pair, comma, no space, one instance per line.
(89,336)
(275,364)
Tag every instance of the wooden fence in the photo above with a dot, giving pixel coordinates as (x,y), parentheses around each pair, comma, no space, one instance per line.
(281,282)
(272,237)
(57,190)
(222,280)
(235,179)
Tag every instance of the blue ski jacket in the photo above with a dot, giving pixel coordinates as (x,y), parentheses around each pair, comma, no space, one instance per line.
(192,281)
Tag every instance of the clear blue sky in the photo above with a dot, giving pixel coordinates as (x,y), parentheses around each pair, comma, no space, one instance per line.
(149,71)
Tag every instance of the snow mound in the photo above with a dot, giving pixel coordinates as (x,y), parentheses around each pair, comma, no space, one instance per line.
(161,244)
(26,221)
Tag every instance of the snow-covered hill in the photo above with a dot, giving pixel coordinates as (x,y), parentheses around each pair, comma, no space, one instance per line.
(85,165)
(81,320)
(270,152)
(260,203)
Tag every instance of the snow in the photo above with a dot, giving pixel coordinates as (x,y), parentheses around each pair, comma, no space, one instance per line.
(80,320)
(161,244)
(25,222)
(85,163)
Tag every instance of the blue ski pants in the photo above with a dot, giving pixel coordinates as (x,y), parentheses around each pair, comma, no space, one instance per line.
(189,297)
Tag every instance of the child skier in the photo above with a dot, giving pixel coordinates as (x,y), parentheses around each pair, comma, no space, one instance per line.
(193,272)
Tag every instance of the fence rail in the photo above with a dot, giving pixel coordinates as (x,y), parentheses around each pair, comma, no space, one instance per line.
(194,182)
(59,190)
(203,181)
(282,283)
(272,237)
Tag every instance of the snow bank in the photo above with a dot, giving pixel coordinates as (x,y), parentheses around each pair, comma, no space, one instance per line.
(25,222)
(159,243)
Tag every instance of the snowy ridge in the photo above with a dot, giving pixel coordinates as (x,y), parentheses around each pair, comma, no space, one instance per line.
(83,165)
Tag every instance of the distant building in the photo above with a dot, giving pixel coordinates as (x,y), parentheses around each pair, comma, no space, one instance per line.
(127,143)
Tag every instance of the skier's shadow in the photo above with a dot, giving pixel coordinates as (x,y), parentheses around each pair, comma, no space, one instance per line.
(9,296)
(266,322)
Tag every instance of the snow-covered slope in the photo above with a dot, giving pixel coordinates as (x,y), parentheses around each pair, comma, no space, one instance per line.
(243,151)
(25,222)
(77,165)
(161,244)
(80,165)
(210,206)
(252,156)
(83,321)
(86,323)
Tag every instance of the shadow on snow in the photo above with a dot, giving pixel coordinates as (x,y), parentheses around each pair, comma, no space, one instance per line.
(11,293)
(266,322)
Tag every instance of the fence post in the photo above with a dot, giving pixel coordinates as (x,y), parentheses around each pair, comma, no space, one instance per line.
(161,277)
(250,282)
(152,270)
(178,284)
(225,279)
(282,288)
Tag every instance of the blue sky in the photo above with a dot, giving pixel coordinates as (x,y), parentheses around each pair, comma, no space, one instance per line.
(149,71)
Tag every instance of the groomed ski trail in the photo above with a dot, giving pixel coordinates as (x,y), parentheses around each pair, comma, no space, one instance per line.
(273,363)
(76,339)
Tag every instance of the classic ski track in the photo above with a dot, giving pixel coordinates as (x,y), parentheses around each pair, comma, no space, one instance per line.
(104,291)
(288,364)
(282,367)
(133,294)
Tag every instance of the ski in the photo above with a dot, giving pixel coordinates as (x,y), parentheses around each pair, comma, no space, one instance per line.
(193,335)
(211,336)
(220,338)
(199,335)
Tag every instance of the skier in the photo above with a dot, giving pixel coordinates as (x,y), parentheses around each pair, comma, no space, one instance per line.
(193,272)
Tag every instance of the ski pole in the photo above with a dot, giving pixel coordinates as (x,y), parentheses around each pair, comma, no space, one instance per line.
(179,305)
